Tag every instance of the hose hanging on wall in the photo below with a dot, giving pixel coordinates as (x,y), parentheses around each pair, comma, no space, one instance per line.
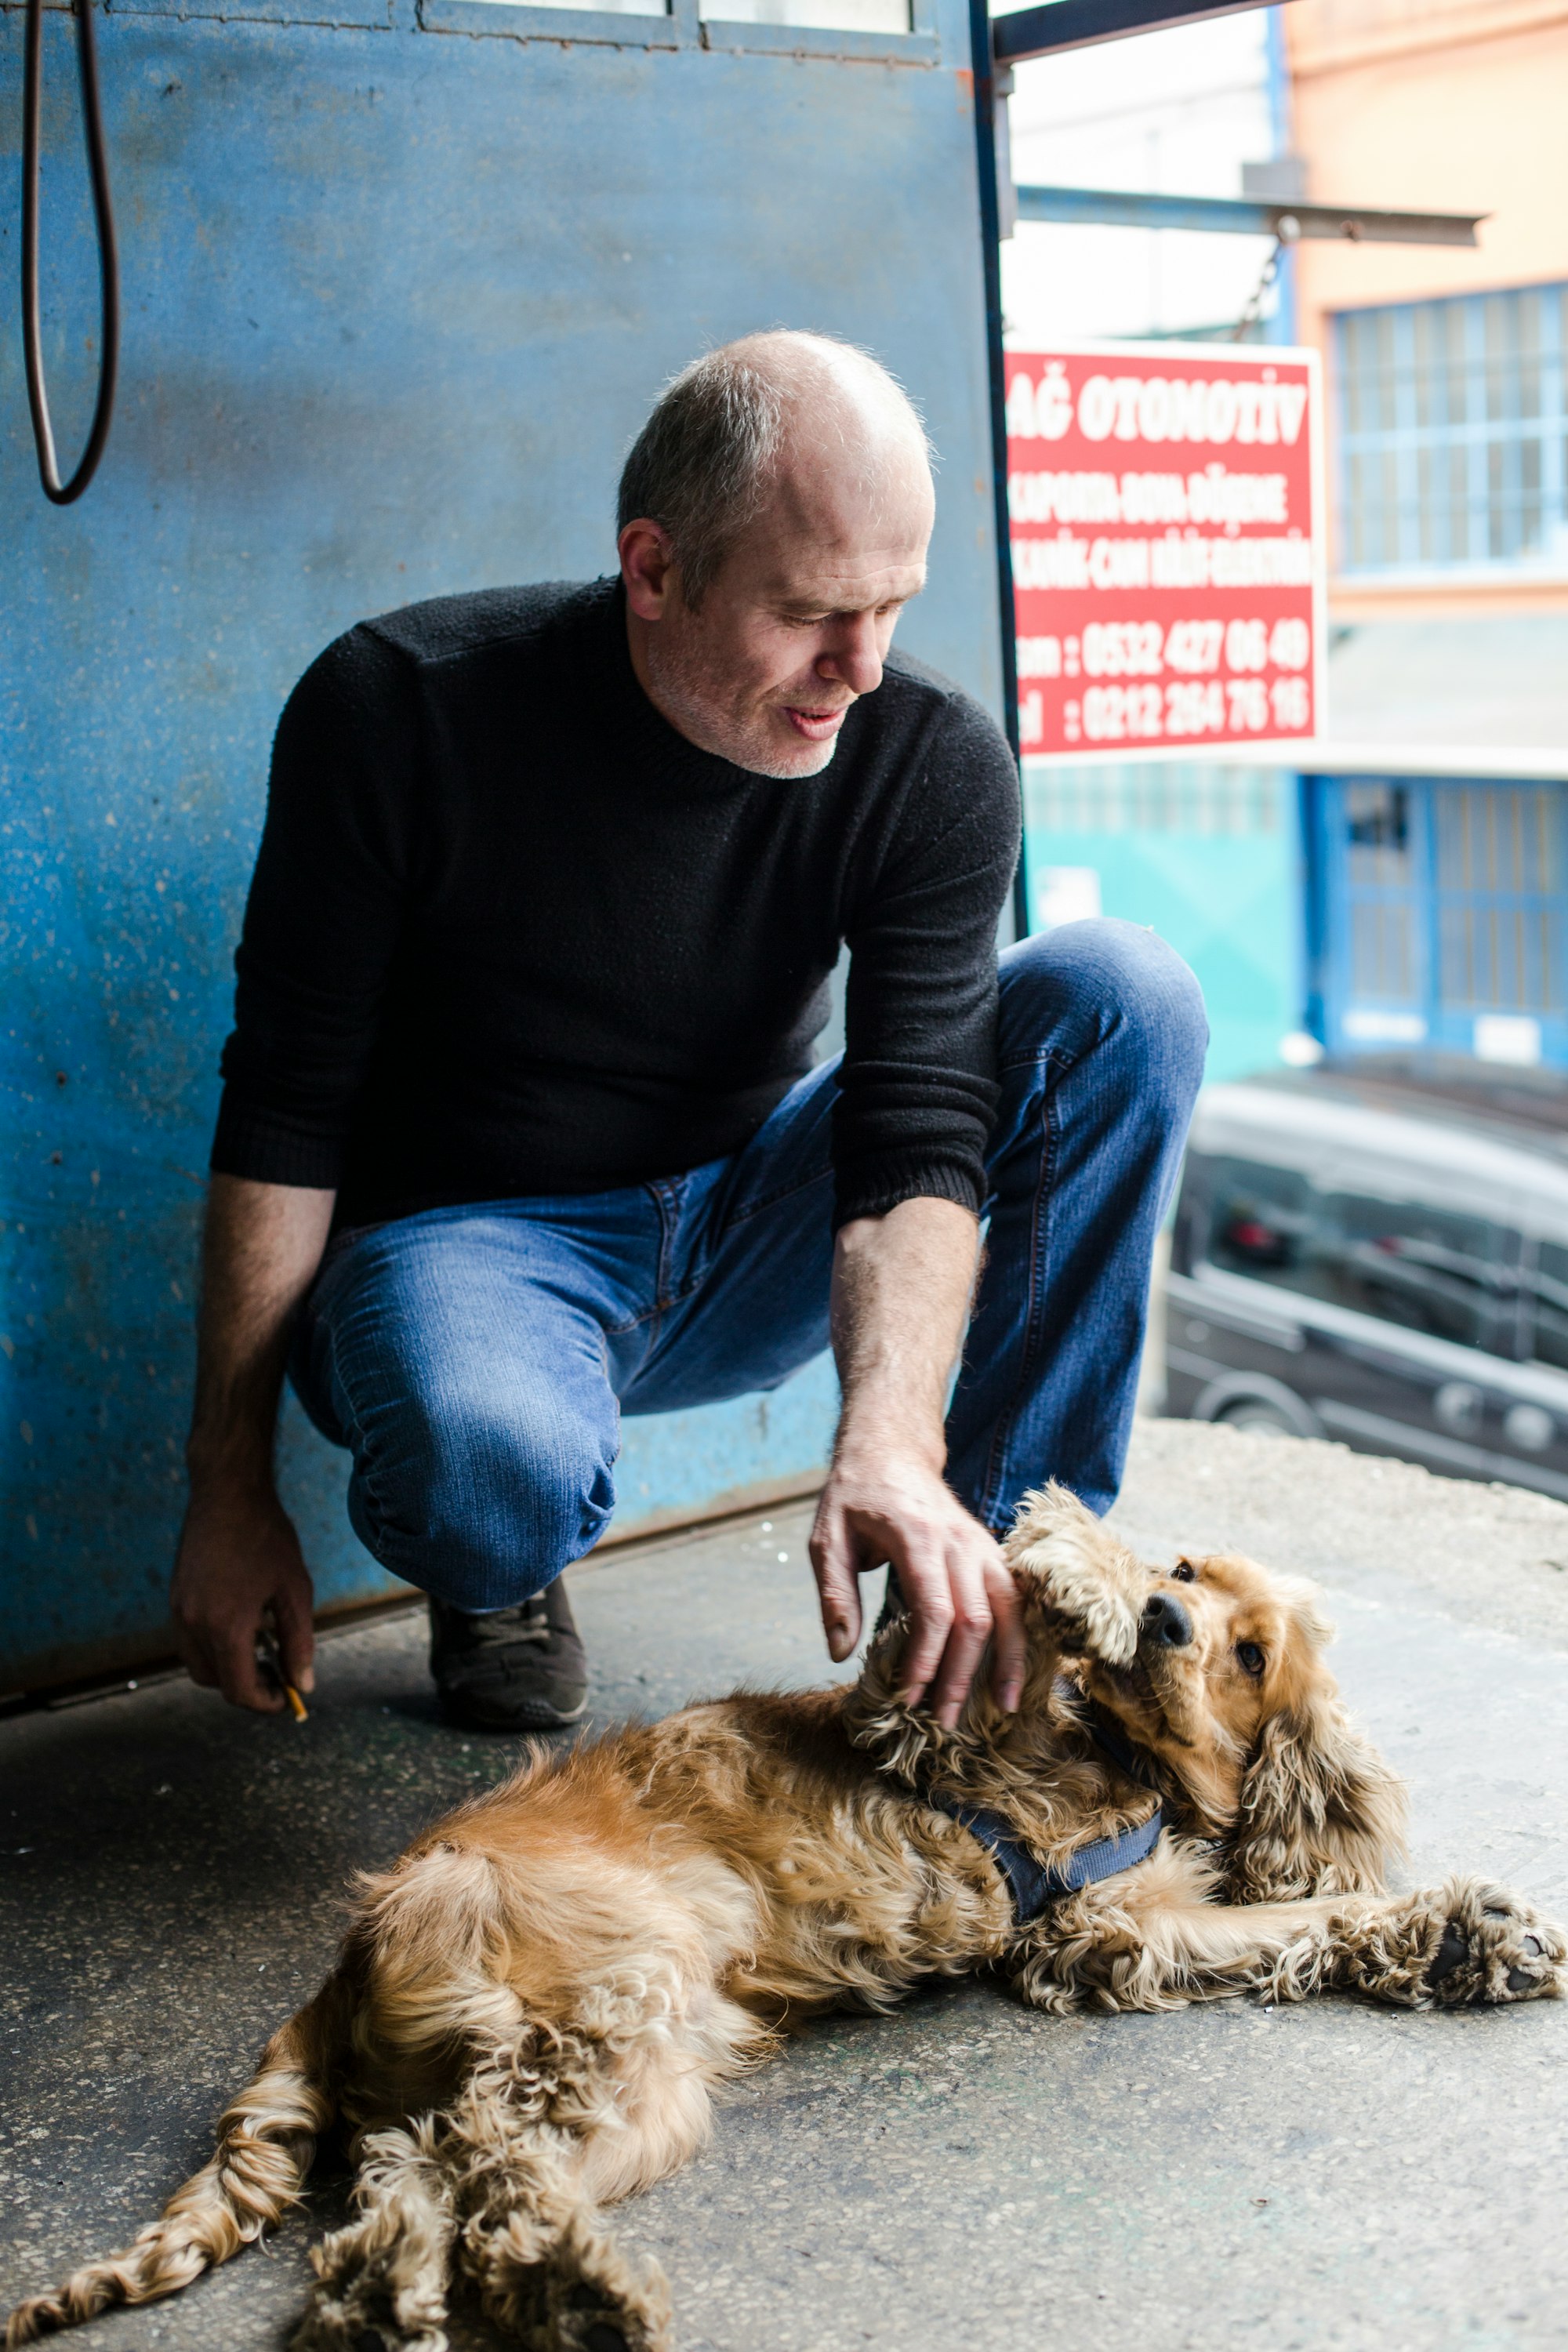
(62,493)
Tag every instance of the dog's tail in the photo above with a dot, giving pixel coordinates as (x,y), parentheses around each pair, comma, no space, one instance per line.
(266,2140)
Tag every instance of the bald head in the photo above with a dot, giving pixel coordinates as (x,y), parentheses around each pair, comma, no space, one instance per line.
(816,424)
(773,519)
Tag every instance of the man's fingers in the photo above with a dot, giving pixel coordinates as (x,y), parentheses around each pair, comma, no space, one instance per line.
(1011,1662)
(196,1655)
(929,1596)
(296,1634)
(837,1584)
(966,1641)
(240,1677)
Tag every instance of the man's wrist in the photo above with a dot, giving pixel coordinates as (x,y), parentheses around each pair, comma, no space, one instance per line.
(872,1441)
(228,1477)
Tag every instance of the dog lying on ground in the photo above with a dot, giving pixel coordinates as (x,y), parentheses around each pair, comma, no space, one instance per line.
(532,2006)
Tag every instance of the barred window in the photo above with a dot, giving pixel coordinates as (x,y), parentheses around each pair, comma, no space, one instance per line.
(1453,438)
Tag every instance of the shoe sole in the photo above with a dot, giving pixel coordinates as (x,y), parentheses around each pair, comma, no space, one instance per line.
(533,1714)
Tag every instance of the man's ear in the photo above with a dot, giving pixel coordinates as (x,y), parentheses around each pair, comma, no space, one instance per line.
(1319,1811)
(647,567)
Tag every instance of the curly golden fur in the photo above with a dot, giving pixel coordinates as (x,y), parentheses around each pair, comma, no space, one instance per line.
(531,2008)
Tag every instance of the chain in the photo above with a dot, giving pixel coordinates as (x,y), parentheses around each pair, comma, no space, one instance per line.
(1254,308)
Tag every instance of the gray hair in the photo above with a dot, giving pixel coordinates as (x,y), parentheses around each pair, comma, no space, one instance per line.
(702,464)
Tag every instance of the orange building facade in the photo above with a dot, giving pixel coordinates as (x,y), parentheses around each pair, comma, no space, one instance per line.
(1445,106)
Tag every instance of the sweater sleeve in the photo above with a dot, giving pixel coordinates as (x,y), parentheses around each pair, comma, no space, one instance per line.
(322,918)
(918,1087)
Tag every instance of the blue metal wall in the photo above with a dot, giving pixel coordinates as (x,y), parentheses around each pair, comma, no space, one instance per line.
(397,298)
(1209,855)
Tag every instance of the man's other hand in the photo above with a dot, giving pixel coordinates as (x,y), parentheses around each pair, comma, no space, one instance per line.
(894,1507)
(239,1558)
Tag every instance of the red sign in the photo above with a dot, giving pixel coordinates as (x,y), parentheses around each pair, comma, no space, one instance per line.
(1167,534)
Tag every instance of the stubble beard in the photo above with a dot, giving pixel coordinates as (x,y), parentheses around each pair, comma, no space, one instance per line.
(684,693)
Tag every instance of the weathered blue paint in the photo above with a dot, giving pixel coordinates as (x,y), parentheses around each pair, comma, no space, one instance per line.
(1210,856)
(395,300)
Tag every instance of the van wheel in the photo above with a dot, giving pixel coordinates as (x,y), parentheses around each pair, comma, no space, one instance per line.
(1263,1419)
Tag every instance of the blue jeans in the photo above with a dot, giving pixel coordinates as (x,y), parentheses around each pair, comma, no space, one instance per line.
(476,1361)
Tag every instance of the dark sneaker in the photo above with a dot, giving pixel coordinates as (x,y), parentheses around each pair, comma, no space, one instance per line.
(520,1669)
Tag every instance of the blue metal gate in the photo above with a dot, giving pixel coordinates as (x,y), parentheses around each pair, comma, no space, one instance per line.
(1441,912)
(399,287)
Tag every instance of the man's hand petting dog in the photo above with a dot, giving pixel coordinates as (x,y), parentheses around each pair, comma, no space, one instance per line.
(896,1507)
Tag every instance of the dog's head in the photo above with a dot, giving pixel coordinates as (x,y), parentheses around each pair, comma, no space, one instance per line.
(1215,1666)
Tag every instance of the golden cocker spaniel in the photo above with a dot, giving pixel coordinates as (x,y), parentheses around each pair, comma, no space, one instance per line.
(531,2008)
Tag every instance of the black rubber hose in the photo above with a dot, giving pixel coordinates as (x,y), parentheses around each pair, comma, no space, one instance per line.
(62,493)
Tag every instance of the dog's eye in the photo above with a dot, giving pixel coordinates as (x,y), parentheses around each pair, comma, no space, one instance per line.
(1183,1572)
(1252,1658)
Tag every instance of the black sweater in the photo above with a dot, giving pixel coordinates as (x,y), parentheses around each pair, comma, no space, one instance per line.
(510,933)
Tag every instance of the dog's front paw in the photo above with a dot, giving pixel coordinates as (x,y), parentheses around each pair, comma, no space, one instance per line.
(1491,1947)
(1081,1573)
(1464,1942)
(1104,1622)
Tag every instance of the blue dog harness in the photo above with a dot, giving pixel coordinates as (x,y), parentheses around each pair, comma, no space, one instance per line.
(1033,1883)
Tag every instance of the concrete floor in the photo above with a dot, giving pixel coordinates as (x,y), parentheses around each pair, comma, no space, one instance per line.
(963,2176)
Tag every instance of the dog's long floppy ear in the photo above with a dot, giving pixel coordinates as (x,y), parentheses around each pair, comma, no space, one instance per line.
(1320,1812)
(902,1741)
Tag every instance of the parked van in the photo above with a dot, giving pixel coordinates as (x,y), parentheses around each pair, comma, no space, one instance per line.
(1379,1253)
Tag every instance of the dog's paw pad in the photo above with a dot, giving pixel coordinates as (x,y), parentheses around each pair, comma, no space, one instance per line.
(589,2319)
(1521,1980)
(1496,1951)
(1452,1953)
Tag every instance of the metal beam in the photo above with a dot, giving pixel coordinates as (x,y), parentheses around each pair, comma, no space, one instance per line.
(1243,216)
(1043,31)
(989,116)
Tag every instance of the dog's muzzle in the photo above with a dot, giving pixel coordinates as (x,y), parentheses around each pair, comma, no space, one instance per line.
(1165,1624)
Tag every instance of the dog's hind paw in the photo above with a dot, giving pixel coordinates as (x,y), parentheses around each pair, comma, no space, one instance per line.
(357,2323)
(1493,1947)
(589,2315)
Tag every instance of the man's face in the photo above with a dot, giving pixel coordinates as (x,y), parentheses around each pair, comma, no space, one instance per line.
(796,624)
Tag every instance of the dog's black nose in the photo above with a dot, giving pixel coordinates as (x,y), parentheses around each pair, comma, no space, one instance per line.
(1166,1621)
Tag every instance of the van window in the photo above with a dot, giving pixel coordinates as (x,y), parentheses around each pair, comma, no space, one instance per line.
(1434,1270)
(1551,1318)
(1441,1271)
(1259,1222)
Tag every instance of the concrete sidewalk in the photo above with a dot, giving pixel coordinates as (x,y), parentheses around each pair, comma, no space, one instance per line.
(963,2176)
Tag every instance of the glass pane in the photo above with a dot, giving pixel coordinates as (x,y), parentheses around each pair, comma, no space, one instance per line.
(1530,530)
(1259,1222)
(1500,315)
(1453,413)
(1433,1270)
(1550,1346)
(1357,551)
(829,16)
(1377,831)
(1458,506)
(608,7)
(1498,537)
